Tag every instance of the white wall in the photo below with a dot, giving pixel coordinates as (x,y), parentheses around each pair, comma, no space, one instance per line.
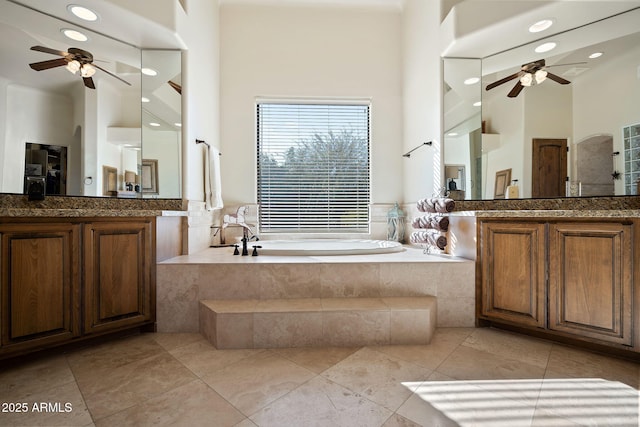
(4,83)
(37,117)
(163,146)
(327,52)
(422,93)
(548,114)
(201,113)
(458,151)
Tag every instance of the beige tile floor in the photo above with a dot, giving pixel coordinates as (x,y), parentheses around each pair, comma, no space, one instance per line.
(467,377)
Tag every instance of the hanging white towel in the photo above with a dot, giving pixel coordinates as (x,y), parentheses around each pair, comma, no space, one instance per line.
(212,182)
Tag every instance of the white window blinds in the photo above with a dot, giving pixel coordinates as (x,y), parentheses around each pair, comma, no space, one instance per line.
(313,167)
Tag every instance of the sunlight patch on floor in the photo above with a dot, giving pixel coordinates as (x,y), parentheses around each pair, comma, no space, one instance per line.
(527,402)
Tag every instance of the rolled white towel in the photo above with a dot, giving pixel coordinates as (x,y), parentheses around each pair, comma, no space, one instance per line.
(434,221)
(429,237)
(436,205)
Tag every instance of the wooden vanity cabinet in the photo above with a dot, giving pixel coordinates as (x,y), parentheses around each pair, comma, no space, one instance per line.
(571,278)
(40,285)
(513,272)
(66,279)
(117,274)
(590,282)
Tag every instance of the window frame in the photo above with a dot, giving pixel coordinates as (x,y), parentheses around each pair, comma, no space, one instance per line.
(301,231)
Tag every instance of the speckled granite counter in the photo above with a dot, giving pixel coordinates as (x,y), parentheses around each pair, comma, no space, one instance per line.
(572,213)
(608,203)
(16,205)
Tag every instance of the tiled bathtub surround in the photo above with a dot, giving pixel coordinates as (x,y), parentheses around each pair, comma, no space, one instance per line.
(182,282)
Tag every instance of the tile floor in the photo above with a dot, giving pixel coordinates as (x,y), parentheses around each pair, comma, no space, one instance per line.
(467,377)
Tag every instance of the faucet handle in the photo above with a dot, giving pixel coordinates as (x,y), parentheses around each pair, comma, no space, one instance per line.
(236,251)
(255,250)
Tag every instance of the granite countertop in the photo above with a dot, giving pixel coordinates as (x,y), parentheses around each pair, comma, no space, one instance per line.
(601,203)
(14,205)
(571,213)
(79,213)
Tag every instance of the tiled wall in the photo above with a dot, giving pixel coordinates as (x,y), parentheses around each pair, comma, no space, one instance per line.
(180,287)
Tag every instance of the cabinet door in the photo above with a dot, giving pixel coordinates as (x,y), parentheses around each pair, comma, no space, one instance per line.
(590,280)
(118,272)
(512,257)
(40,284)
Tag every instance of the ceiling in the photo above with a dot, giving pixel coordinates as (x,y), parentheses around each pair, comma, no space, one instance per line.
(502,56)
(395,4)
(484,28)
(22,27)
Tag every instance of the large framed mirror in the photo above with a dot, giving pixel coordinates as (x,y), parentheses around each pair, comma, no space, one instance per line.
(69,128)
(595,117)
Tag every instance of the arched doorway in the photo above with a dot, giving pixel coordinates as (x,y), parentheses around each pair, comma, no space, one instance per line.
(594,165)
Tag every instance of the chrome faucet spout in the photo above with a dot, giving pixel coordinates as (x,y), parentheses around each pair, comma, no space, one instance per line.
(245,239)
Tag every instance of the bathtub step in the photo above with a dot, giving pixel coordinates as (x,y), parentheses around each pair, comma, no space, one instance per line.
(315,322)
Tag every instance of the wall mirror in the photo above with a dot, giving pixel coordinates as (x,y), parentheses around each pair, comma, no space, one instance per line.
(595,116)
(99,128)
(161,124)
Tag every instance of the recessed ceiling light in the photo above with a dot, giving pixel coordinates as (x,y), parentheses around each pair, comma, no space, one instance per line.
(545,47)
(452,134)
(145,99)
(154,124)
(82,12)
(595,55)
(477,104)
(149,72)
(178,124)
(74,35)
(471,80)
(540,26)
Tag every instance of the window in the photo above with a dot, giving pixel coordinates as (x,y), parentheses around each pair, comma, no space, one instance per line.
(313,167)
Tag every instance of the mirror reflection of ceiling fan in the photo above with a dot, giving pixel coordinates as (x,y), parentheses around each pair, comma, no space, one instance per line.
(75,60)
(531,74)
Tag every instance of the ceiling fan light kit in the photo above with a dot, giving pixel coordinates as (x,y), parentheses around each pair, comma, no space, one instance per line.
(530,74)
(74,60)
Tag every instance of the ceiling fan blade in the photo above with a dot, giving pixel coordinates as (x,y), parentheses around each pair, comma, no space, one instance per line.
(558,79)
(516,90)
(111,74)
(49,50)
(570,63)
(52,63)
(502,81)
(176,86)
(88,82)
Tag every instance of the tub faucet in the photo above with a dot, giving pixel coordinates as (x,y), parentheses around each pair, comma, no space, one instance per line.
(245,239)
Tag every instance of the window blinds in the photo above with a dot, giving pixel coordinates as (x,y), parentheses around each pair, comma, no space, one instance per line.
(313,167)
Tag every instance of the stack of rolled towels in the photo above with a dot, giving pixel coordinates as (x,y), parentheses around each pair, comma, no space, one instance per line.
(433,226)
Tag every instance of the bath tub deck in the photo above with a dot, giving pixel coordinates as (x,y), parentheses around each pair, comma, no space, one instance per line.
(217,275)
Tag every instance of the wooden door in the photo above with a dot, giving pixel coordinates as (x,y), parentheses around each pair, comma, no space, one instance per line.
(512,257)
(119,263)
(549,168)
(40,284)
(590,280)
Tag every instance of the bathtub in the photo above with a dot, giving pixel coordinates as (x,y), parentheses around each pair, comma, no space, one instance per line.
(315,247)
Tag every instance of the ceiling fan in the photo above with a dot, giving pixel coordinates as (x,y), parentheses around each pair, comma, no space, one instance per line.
(529,75)
(75,60)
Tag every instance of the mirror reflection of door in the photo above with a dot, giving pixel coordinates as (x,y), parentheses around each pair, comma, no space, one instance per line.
(48,162)
(549,167)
